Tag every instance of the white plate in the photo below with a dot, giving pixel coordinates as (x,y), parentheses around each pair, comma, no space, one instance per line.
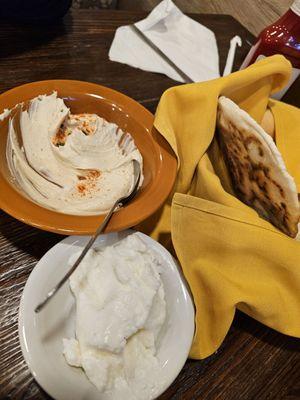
(41,334)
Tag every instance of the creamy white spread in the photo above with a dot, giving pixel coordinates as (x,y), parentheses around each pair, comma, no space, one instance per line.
(70,163)
(120,313)
(6,112)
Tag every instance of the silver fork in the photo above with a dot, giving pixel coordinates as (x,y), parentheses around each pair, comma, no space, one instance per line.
(126,143)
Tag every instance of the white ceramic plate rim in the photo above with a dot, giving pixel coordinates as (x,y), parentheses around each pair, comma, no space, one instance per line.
(27,319)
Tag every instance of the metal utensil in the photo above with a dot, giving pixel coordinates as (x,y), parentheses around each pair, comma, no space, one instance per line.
(149,42)
(127,142)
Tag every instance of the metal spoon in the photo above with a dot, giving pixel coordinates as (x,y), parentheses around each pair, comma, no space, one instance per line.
(120,202)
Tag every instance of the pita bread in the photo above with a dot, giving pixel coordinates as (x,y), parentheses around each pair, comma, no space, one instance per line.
(258,173)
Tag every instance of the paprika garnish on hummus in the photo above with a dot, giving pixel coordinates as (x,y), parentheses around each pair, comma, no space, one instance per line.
(71,163)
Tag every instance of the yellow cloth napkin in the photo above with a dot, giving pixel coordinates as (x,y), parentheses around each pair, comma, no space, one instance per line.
(230,257)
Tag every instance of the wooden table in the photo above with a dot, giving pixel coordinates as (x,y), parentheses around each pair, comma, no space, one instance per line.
(255,14)
(254,362)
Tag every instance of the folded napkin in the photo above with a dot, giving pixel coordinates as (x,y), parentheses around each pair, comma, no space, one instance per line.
(231,258)
(190,45)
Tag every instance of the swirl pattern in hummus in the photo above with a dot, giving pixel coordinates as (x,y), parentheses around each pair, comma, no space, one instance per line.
(69,163)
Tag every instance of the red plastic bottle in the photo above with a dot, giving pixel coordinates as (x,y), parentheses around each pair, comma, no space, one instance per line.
(282,37)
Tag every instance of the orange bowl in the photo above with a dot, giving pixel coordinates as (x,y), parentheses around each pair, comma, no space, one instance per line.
(159,161)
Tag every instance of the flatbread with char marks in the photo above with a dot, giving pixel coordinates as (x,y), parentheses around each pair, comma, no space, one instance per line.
(258,173)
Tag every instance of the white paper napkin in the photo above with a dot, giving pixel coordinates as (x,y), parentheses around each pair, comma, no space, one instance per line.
(190,45)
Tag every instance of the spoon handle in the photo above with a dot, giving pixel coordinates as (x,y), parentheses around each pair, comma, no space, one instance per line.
(120,202)
(99,230)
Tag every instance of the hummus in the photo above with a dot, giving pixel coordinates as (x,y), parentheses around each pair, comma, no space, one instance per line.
(69,163)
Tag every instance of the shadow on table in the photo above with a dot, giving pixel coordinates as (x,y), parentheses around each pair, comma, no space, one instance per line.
(29,240)
(265,334)
(19,37)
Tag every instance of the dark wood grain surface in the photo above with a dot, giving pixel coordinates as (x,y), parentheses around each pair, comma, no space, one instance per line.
(254,362)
